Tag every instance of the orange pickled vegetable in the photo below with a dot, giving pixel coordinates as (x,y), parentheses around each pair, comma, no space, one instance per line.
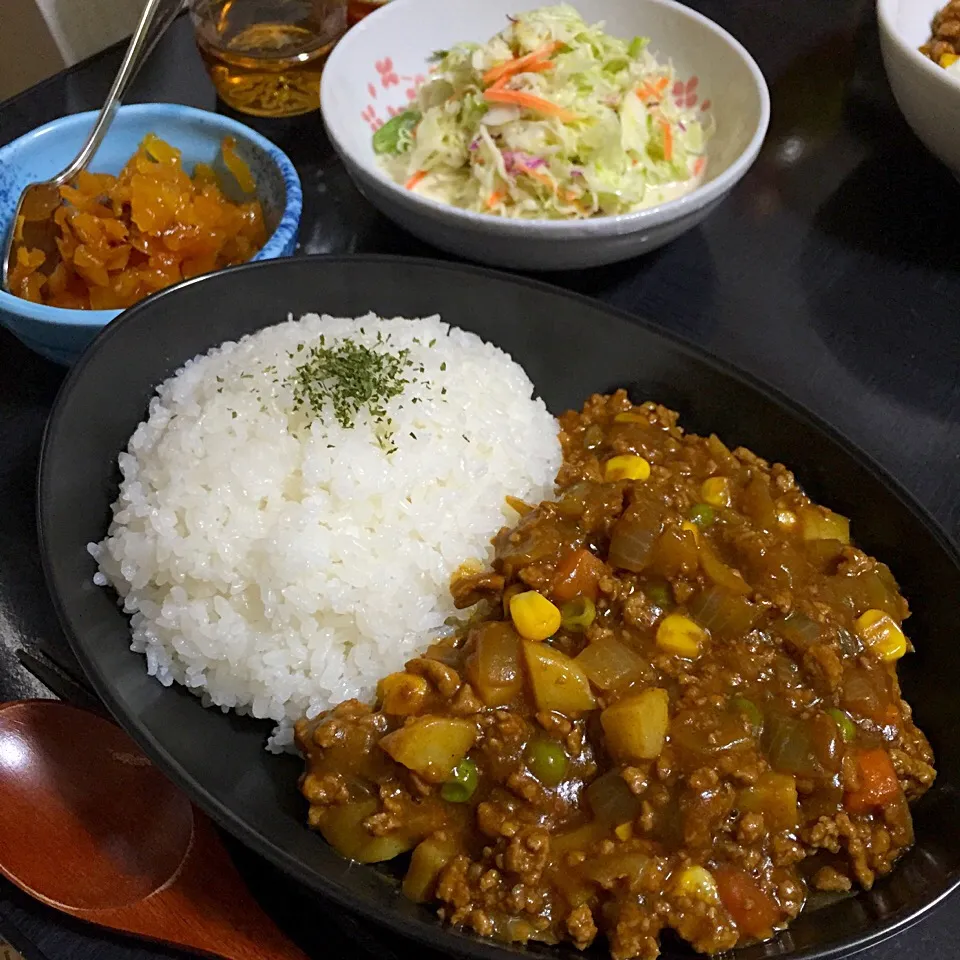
(236,165)
(122,238)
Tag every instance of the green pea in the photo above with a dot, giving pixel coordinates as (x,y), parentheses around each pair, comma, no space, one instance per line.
(547,761)
(749,709)
(462,783)
(848,729)
(702,514)
(578,614)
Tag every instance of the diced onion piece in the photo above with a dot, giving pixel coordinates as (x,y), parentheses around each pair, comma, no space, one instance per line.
(719,572)
(609,868)
(633,537)
(610,664)
(611,800)
(675,551)
(750,710)
(494,668)
(723,613)
(758,503)
(800,630)
(864,693)
(789,745)
(818,523)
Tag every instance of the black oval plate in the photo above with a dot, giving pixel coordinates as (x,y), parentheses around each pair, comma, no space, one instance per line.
(571,347)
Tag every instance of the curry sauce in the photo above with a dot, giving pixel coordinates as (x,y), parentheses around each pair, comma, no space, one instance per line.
(675,706)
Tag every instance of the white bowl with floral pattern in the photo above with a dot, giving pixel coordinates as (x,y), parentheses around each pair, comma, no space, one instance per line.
(374,71)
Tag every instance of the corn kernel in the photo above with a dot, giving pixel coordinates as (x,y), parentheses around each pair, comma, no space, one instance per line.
(691,527)
(630,418)
(948,60)
(881,634)
(716,491)
(402,694)
(786,518)
(534,616)
(698,883)
(679,634)
(626,467)
(624,831)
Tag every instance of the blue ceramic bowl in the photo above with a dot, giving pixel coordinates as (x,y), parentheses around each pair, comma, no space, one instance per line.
(62,335)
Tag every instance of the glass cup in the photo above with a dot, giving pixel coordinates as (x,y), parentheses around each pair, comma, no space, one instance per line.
(358,9)
(265,57)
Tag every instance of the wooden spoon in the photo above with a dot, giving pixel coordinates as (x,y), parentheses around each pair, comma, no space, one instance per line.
(89,826)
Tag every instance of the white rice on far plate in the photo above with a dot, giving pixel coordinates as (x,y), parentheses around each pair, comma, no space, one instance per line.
(277,563)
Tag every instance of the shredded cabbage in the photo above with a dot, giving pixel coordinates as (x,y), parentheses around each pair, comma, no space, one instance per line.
(553,118)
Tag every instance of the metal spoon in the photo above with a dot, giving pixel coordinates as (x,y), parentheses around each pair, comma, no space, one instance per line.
(90,827)
(39,200)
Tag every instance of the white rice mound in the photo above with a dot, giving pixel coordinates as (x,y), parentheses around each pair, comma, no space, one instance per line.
(275,564)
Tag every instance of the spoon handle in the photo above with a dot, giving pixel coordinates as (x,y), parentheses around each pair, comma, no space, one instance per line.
(156,17)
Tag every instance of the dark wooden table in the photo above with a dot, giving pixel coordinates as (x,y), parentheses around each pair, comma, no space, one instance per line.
(833,272)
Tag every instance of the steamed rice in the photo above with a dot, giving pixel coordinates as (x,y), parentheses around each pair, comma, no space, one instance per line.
(276,565)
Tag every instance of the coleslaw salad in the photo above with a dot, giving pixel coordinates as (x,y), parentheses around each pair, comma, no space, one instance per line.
(552,119)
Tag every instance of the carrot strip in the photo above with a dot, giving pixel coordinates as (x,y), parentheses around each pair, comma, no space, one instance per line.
(667,140)
(652,91)
(494,199)
(542,177)
(415,179)
(520,64)
(530,102)
(698,165)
